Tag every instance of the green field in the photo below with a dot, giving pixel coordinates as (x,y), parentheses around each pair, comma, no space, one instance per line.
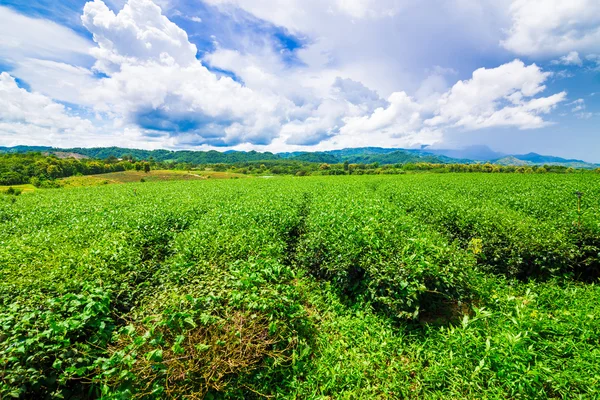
(424,286)
(130,177)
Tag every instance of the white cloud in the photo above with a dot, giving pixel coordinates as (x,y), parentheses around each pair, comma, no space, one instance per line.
(24,37)
(368,40)
(51,58)
(553,27)
(368,8)
(25,114)
(29,118)
(193,18)
(584,115)
(578,105)
(60,81)
(579,109)
(594,58)
(401,117)
(570,59)
(346,93)
(497,97)
(298,16)
(563,74)
(138,32)
(155,81)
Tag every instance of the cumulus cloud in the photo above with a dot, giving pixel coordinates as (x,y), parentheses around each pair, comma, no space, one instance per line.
(499,96)
(357,93)
(367,41)
(496,97)
(147,81)
(25,114)
(570,59)
(318,123)
(401,117)
(155,81)
(30,118)
(139,32)
(553,27)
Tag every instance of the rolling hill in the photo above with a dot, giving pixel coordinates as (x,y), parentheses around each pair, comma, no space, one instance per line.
(362,155)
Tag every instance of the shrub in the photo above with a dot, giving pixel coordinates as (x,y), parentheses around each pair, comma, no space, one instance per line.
(236,330)
(47,346)
(12,178)
(364,248)
(13,192)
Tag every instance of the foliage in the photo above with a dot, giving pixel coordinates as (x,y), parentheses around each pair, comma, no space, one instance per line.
(11,191)
(41,170)
(360,243)
(451,285)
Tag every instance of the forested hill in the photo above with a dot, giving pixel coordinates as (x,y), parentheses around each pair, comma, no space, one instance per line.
(355,156)
(363,155)
(183,156)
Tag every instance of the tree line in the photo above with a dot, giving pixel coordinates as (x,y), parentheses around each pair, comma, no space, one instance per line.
(38,169)
(43,169)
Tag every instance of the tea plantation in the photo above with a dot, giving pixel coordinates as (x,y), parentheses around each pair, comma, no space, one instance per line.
(424,286)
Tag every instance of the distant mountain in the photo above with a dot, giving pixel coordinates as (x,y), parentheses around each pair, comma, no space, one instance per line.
(195,157)
(369,155)
(366,155)
(24,149)
(395,157)
(512,160)
(477,153)
(317,157)
(539,159)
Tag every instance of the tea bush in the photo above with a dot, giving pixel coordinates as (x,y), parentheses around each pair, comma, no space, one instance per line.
(405,286)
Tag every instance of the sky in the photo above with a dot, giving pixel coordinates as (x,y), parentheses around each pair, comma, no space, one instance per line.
(302,75)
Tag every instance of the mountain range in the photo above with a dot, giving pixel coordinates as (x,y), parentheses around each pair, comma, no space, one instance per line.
(367,155)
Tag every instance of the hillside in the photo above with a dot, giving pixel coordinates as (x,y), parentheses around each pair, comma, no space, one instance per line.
(361,155)
(512,160)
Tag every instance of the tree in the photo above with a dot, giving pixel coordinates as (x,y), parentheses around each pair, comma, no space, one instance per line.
(146,167)
(346,165)
(95,167)
(11,178)
(54,171)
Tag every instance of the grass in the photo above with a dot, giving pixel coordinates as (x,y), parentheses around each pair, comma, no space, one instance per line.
(131,177)
(137,176)
(25,188)
(219,175)
(128,177)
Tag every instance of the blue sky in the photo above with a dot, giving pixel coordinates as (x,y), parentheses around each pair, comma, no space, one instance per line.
(302,74)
